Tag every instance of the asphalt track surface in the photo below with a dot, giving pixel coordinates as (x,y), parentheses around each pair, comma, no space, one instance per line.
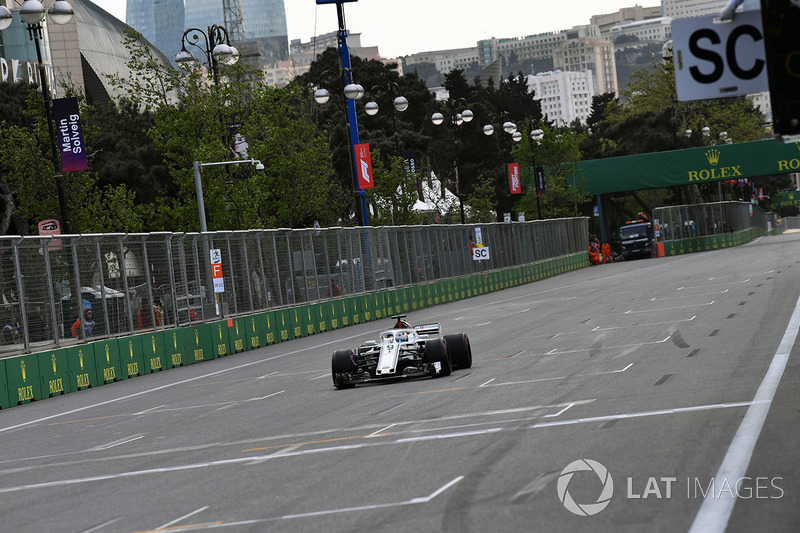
(675,378)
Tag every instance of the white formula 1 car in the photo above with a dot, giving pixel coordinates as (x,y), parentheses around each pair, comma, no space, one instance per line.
(403,351)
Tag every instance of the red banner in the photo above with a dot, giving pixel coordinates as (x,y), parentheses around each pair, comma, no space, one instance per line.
(363,166)
(514,184)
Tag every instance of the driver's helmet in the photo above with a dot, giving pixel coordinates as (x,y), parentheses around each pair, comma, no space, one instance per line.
(401,336)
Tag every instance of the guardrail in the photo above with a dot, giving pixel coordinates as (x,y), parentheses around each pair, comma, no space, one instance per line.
(161,281)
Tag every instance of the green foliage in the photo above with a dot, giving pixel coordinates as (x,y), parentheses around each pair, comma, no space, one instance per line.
(394,195)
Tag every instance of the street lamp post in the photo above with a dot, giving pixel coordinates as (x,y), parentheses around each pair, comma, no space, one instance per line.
(534,136)
(456,119)
(215,45)
(201,209)
(397,103)
(32,13)
(352,92)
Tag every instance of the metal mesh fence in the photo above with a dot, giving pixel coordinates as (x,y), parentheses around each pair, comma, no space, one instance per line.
(57,291)
(687,221)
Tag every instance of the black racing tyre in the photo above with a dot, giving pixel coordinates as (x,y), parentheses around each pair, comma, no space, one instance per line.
(436,352)
(342,363)
(460,350)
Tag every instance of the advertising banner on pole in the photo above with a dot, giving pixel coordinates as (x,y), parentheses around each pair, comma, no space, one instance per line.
(539,177)
(363,166)
(70,134)
(514,184)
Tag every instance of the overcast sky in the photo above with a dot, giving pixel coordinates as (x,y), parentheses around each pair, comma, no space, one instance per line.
(409,26)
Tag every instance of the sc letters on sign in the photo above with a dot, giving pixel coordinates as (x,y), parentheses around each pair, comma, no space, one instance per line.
(719,59)
(480,253)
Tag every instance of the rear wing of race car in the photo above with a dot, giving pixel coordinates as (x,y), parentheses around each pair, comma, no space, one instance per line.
(427,329)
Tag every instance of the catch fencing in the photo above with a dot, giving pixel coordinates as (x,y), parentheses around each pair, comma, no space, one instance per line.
(701,220)
(144,282)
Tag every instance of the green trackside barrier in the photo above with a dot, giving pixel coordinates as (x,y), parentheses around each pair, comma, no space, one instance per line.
(356,316)
(253,335)
(427,292)
(438,292)
(197,343)
(451,292)
(310,322)
(237,332)
(410,299)
(366,308)
(22,374)
(343,306)
(379,305)
(153,352)
(3,386)
(130,354)
(283,323)
(82,367)
(392,299)
(332,312)
(173,348)
(298,322)
(320,314)
(400,301)
(106,361)
(266,322)
(53,372)
(219,338)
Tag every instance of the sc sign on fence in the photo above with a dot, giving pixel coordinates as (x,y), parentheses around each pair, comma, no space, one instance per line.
(480,253)
(719,59)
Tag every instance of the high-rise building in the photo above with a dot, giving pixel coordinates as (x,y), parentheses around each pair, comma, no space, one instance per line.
(160,21)
(263,21)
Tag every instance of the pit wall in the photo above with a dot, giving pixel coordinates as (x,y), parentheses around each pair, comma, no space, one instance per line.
(712,242)
(42,375)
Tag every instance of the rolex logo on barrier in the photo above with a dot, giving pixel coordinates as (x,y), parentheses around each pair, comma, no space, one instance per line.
(713,156)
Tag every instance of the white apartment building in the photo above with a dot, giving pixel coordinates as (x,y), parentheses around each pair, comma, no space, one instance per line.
(627,14)
(695,8)
(657,30)
(593,54)
(445,60)
(564,96)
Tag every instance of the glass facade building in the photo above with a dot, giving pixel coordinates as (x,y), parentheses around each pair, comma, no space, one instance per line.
(160,21)
(264,21)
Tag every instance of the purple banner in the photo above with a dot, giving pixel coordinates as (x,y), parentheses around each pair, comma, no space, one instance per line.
(539,177)
(70,134)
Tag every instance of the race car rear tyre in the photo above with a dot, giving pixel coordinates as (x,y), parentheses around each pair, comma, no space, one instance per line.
(460,350)
(342,364)
(436,352)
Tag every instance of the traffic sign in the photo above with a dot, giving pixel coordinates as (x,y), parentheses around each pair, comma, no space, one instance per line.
(480,253)
(216,256)
(719,59)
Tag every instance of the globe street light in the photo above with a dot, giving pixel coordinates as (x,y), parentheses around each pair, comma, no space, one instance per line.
(397,103)
(456,119)
(534,137)
(32,13)
(215,45)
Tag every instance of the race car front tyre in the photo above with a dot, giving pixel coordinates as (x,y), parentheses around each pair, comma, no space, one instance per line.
(342,367)
(460,350)
(436,352)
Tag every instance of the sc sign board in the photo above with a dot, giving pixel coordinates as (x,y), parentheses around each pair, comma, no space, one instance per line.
(480,253)
(719,59)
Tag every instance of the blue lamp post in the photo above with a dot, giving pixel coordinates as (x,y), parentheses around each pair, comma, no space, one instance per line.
(352,123)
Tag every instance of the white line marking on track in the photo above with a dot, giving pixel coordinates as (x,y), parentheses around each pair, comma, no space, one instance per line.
(412,501)
(450,435)
(265,397)
(267,375)
(149,410)
(561,412)
(481,324)
(376,433)
(714,514)
(639,414)
(325,375)
(484,384)
(119,442)
(184,517)
(554,350)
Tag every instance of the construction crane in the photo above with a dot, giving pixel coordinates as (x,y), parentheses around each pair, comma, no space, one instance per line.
(234,21)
